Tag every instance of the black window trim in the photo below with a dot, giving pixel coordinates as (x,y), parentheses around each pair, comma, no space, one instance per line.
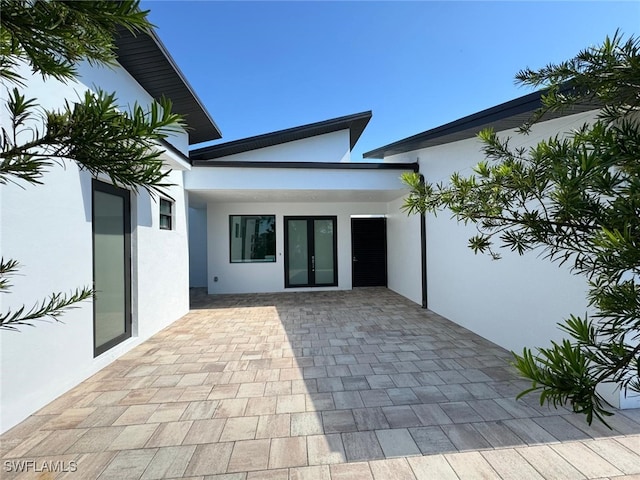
(164,215)
(232,232)
(99,186)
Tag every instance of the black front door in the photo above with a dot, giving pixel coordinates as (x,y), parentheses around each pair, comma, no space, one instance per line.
(310,252)
(369,252)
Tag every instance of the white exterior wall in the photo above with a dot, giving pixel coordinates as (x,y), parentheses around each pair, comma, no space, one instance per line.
(404,272)
(128,93)
(329,147)
(47,228)
(269,277)
(281,181)
(515,302)
(162,264)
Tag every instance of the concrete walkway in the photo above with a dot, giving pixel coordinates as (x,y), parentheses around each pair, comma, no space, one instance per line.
(326,385)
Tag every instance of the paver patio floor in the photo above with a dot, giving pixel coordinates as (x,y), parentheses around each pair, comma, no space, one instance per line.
(359,384)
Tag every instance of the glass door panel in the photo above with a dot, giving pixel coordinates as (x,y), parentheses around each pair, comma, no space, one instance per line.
(297,253)
(310,251)
(111,275)
(323,255)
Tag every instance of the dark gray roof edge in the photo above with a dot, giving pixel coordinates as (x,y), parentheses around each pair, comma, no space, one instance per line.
(496,116)
(185,100)
(355,123)
(154,36)
(311,165)
(166,145)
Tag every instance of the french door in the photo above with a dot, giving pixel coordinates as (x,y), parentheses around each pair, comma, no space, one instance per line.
(111,266)
(310,252)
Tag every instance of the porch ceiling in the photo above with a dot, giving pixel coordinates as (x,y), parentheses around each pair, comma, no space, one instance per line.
(199,198)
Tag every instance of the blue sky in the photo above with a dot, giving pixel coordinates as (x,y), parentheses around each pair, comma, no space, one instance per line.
(265,66)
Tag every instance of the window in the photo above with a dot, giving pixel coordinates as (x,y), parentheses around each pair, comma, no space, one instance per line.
(252,238)
(166,217)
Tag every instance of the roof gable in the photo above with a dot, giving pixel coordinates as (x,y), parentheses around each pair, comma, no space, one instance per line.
(355,123)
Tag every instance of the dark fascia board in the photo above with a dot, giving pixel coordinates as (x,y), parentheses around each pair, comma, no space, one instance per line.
(355,123)
(506,116)
(310,165)
(166,145)
(147,60)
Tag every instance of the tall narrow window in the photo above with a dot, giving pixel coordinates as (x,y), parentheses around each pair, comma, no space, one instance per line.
(166,214)
(111,266)
(252,238)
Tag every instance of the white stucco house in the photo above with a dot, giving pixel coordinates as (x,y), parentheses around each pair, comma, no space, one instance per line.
(75,231)
(317,218)
(285,211)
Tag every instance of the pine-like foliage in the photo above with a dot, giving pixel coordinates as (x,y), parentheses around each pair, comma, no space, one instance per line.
(52,38)
(576,196)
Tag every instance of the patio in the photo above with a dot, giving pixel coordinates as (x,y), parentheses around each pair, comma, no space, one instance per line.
(358,384)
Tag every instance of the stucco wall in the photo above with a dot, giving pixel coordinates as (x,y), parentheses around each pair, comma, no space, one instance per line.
(514,302)
(162,266)
(329,147)
(404,271)
(282,180)
(48,229)
(128,92)
(269,277)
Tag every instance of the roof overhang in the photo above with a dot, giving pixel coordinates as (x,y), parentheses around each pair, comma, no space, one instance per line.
(272,182)
(506,116)
(147,60)
(172,157)
(355,123)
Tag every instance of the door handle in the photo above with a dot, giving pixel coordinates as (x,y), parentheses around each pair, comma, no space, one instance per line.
(313,263)
(355,259)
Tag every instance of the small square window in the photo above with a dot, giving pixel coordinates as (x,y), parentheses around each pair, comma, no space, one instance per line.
(252,238)
(166,214)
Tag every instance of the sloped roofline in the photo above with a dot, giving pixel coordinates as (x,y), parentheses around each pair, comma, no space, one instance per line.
(505,116)
(146,58)
(355,123)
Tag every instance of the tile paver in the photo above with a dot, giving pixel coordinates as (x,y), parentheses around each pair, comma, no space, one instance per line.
(288,452)
(325,385)
(168,462)
(271,426)
(432,466)
(128,464)
(351,471)
(549,463)
(397,443)
(239,428)
(133,437)
(336,421)
(510,465)
(307,423)
(324,449)
(361,446)
(209,459)
(394,469)
(249,455)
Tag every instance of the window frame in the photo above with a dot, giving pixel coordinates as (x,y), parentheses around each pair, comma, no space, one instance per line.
(165,215)
(236,231)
